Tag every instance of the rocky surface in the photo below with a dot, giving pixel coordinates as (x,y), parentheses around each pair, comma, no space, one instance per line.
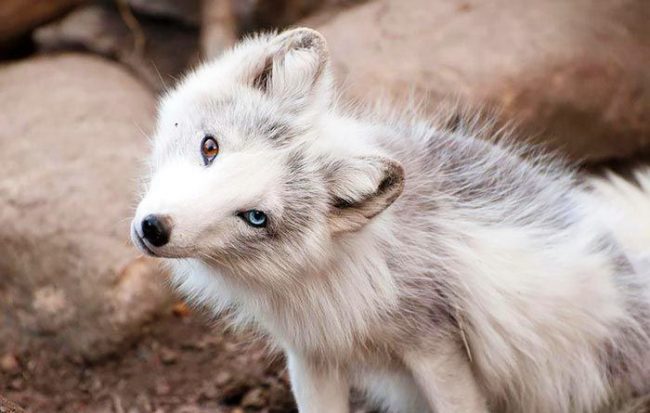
(7,406)
(156,44)
(571,73)
(19,17)
(184,364)
(74,131)
(224,21)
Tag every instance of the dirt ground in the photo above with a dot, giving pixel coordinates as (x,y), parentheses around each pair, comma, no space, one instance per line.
(184,363)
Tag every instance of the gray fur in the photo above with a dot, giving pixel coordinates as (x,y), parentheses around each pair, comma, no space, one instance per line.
(426,265)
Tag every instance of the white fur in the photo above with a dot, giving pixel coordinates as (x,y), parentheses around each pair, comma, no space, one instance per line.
(618,201)
(494,282)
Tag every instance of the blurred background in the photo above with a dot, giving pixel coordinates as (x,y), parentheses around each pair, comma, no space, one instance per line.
(88,325)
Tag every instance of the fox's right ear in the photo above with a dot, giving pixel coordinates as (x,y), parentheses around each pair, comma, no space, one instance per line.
(295,66)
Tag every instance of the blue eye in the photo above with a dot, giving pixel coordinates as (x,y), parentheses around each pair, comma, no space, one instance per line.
(254,218)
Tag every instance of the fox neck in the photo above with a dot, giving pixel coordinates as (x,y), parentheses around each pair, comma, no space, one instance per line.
(337,304)
(334,305)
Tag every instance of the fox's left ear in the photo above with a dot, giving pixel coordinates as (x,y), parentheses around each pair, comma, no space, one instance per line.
(295,66)
(361,188)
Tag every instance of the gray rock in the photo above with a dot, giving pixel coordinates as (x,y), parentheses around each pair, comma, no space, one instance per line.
(74,131)
(573,74)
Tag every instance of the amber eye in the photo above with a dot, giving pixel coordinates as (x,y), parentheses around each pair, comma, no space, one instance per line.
(209,149)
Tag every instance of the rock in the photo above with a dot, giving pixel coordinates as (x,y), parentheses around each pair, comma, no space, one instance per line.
(19,17)
(168,356)
(186,12)
(74,132)
(143,402)
(9,364)
(198,409)
(254,398)
(254,15)
(17,384)
(157,50)
(570,73)
(209,391)
(223,378)
(7,406)
(162,388)
(224,21)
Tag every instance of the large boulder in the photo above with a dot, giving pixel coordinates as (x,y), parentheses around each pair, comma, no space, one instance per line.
(73,132)
(572,73)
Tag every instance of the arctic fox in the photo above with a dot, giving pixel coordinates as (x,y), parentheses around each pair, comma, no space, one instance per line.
(430,269)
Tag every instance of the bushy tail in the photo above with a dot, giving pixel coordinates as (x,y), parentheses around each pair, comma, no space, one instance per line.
(627,209)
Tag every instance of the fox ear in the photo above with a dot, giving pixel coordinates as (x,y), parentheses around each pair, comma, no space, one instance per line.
(360,189)
(295,66)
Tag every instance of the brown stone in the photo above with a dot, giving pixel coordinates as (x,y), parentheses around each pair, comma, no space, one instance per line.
(19,17)
(168,356)
(186,12)
(570,73)
(156,50)
(254,398)
(224,21)
(9,364)
(74,133)
(7,406)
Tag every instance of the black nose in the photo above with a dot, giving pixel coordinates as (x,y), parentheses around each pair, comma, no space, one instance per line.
(156,230)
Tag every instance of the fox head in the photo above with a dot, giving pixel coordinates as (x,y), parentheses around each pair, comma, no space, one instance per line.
(243,175)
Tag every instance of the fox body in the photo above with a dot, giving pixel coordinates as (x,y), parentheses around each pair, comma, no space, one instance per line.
(430,269)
